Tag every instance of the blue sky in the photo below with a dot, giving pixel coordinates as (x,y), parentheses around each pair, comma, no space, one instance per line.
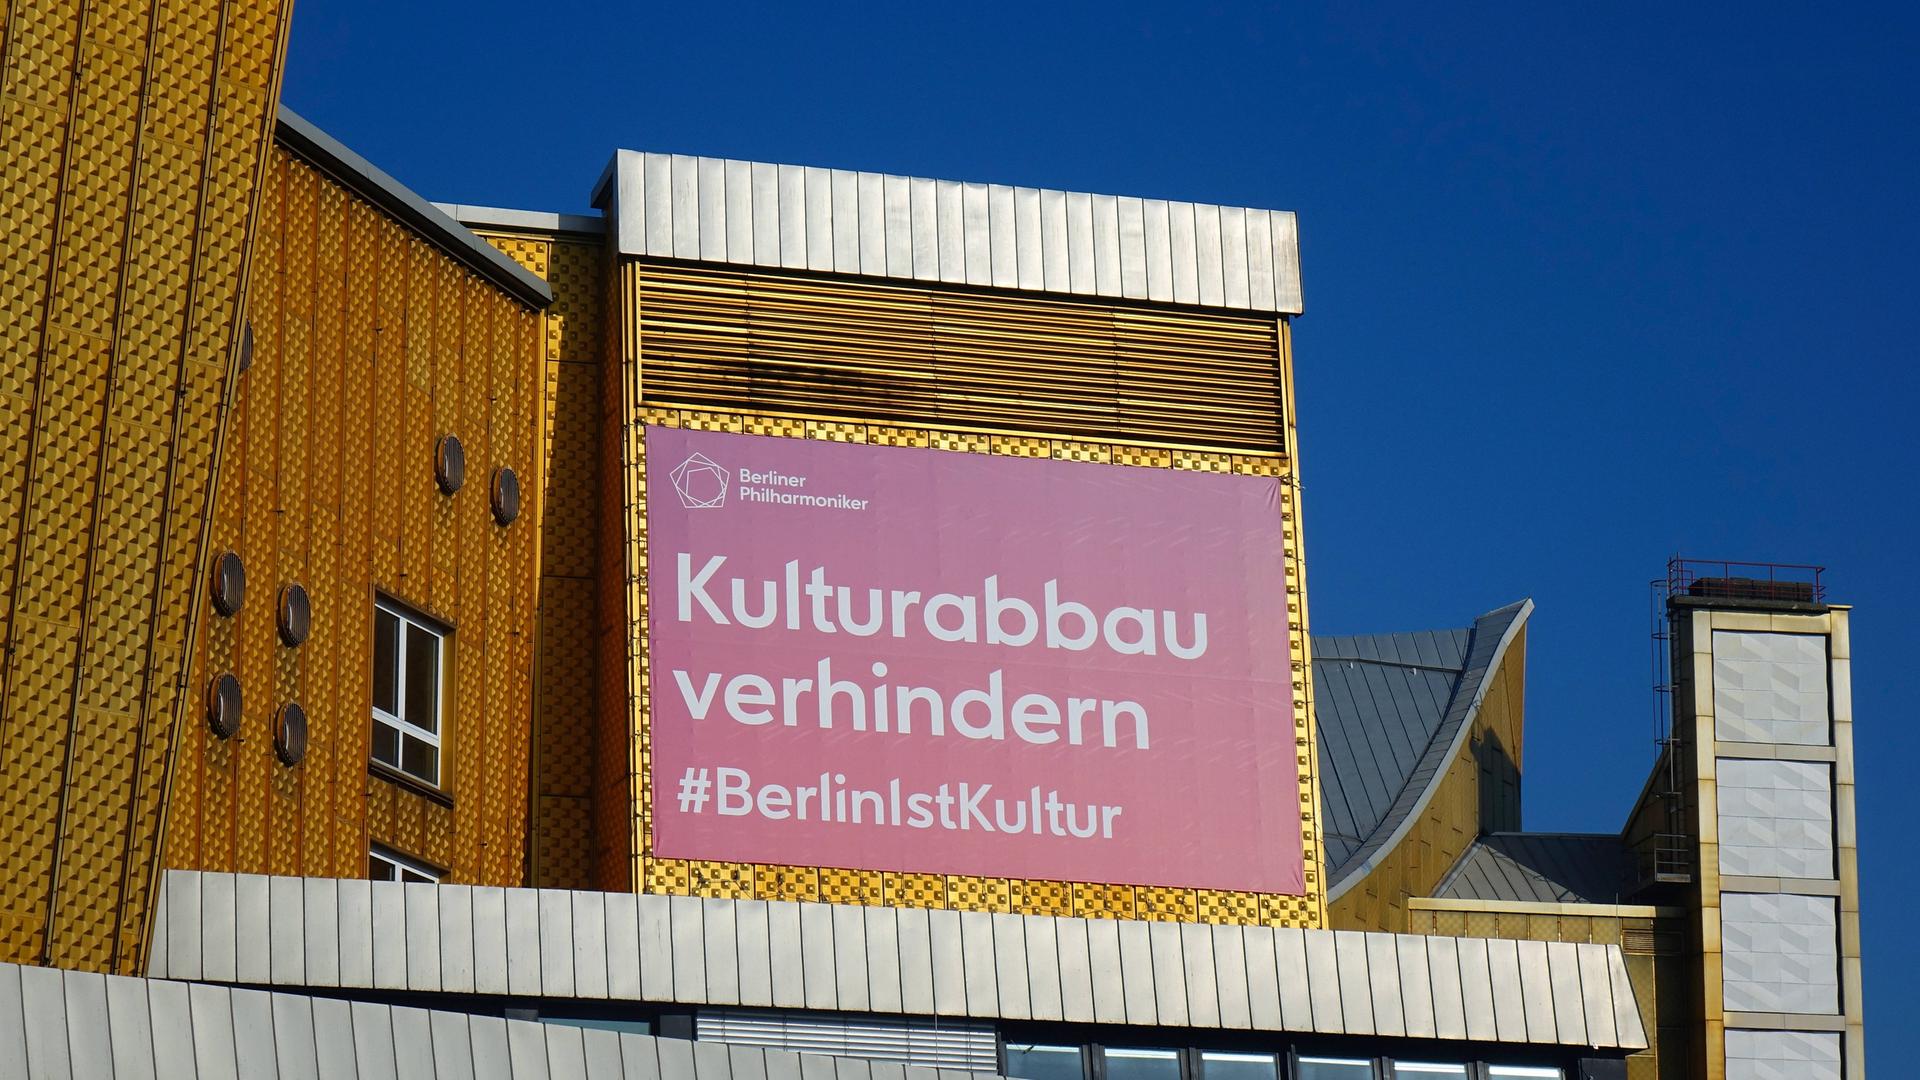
(1586,287)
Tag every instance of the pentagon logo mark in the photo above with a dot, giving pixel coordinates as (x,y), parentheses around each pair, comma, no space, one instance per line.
(701,484)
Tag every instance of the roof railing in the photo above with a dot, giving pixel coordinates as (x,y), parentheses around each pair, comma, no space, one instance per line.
(1725,579)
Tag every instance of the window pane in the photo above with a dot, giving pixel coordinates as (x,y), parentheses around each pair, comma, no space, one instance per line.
(1529,1072)
(386,744)
(386,661)
(1220,1065)
(1142,1064)
(407,873)
(1318,1068)
(423,679)
(379,869)
(1427,1068)
(1030,1062)
(421,760)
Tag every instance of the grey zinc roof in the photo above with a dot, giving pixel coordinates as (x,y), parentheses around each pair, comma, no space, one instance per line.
(1390,711)
(1566,868)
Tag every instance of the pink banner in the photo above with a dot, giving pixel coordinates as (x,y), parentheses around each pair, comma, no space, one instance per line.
(922,660)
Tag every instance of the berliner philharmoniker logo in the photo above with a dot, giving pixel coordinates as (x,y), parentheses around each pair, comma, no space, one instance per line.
(701,484)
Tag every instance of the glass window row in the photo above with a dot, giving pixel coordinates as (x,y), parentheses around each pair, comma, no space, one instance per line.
(1043,1061)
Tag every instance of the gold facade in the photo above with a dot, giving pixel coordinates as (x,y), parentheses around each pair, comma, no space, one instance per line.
(562,830)
(979,375)
(369,345)
(135,137)
(138,164)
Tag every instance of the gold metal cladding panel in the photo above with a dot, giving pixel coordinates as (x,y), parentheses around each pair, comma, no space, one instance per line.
(368,345)
(962,892)
(562,830)
(907,355)
(136,135)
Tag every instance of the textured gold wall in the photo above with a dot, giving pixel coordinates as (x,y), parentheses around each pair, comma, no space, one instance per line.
(560,831)
(128,199)
(370,343)
(807,356)
(1449,822)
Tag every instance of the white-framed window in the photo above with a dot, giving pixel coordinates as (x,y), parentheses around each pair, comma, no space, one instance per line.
(409,659)
(386,864)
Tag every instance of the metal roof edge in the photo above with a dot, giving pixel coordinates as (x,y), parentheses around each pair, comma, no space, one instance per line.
(501,217)
(363,178)
(1354,873)
(950,232)
(162,1027)
(1459,866)
(596,198)
(253,930)
(1541,907)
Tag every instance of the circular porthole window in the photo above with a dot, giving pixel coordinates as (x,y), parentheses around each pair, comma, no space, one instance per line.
(290,733)
(223,705)
(296,614)
(449,464)
(229,583)
(505,495)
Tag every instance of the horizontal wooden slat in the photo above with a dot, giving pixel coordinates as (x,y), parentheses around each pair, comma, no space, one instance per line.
(781,342)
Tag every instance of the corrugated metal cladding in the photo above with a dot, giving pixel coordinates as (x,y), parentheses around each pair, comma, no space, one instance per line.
(769,341)
(948,1044)
(973,966)
(57,1023)
(876,225)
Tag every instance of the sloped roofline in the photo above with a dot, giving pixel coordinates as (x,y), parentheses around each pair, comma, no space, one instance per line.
(1420,790)
(324,152)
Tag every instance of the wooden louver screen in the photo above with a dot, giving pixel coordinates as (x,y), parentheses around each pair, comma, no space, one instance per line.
(786,343)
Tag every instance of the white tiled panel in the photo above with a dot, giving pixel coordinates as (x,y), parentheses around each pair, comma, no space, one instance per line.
(1783,1055)
(1770,688)
(1776,818)
(1781,953)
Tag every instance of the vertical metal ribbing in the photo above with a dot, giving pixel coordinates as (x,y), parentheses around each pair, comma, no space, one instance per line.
(190,638)
(30,461)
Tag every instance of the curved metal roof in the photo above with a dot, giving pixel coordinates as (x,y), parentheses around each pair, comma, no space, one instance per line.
(1390,711)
